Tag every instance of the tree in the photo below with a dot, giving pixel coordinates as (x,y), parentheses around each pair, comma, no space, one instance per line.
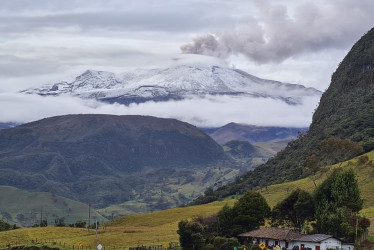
(312,168)
(334,150)
(226,220)
(340,189)
(60,222)
(222,243)
(80,224)
(4,226)
(337,200)
(294,210)
(250,211)
(191,235)
(210,224)
(43,223)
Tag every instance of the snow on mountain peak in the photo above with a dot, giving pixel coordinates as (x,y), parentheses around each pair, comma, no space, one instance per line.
(177,82)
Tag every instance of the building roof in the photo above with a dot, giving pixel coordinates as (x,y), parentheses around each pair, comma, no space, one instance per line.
(273,233)
(313,238)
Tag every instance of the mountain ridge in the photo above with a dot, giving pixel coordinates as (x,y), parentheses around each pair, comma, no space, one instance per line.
(174,83)
(252,133)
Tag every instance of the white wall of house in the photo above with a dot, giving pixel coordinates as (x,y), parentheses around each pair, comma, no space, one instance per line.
(328,243)
(348,246)
(331,243)
(311,245)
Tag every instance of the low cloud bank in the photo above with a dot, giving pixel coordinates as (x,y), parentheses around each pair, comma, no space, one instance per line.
(211,111)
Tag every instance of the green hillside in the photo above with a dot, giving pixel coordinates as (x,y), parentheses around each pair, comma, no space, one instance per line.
(181,185)
(364,174)
(346,111)
(107,159)
(247,155)
(23,207)
(160,227)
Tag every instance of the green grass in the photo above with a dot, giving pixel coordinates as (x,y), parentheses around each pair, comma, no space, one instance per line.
(143,229)
(364,175)
(36,245)
(23,207)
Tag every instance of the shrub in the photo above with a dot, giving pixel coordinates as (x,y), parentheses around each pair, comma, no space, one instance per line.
(222,243)
(255,247)
(80,224)
(60,222)
(209,247)
(362,160)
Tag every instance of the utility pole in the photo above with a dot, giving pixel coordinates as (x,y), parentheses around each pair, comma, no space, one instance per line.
(96,233)
(89,216)
(356,230)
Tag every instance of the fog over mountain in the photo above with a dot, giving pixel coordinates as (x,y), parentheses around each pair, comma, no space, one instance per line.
(204,95)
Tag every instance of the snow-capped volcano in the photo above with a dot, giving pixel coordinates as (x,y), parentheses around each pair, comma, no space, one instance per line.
(178,82)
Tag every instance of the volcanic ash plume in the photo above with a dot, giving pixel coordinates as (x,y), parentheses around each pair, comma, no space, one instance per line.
(311,28)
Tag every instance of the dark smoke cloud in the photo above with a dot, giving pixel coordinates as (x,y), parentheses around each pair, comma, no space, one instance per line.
(280,34)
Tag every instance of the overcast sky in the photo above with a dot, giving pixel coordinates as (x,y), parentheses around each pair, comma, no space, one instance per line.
(43,41)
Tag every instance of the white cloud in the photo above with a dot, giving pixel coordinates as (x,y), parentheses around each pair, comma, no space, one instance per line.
(212,111)
(282,32)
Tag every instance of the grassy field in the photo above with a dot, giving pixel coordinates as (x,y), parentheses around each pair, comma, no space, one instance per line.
(143,229)
(23,207)
(364,174)
(160,227)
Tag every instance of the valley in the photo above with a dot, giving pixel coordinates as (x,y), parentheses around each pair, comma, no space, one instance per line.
(160,227)
(147,148)
(146,164)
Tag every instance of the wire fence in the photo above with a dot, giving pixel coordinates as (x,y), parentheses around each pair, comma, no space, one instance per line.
(60,244)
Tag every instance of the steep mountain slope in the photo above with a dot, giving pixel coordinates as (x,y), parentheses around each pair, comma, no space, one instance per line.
(4,125)
(105,159)
(252,134)
(247,154)
(346,110)
(174,83)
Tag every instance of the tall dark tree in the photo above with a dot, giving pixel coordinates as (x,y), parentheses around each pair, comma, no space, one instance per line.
(337,201)
(4,226)
(191,235)
(294,210)
(250,211)
(226,221)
